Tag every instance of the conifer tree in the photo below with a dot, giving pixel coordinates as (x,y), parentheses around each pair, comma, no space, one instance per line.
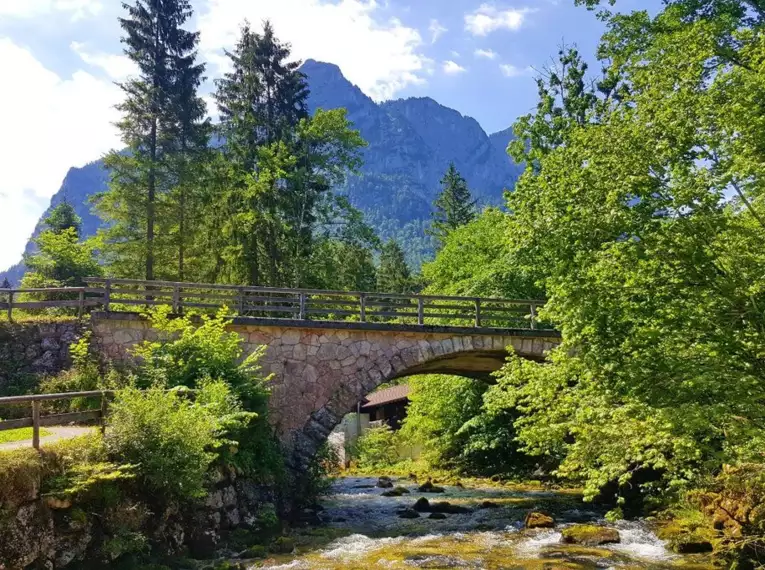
(393,275)
(454,206)
(159,111)
(6,284)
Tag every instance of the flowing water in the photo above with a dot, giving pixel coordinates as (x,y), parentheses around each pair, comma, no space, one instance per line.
(361,529)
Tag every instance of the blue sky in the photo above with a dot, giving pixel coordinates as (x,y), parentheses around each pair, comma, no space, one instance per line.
(59,60)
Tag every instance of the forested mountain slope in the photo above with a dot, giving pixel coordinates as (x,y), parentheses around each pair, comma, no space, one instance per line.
(411,143)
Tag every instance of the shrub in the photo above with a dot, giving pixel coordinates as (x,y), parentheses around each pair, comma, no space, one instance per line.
(376,448)
(168,438)
(20,473)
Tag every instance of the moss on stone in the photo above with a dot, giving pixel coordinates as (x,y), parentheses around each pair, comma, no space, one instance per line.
(590,535)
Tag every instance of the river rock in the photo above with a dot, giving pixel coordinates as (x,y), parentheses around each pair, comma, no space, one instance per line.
(488,505)
(283,545)
(385,483)
(437,516)
(422,505)
(395,492)
(447,507)
(408,514)
(538,520)
(429,487)
(590,535)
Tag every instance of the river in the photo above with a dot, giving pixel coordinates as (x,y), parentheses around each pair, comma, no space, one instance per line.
(361,529)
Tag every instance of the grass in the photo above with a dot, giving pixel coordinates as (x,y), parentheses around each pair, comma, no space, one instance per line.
(20,434)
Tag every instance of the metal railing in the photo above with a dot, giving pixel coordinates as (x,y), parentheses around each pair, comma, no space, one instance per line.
(285,303)
(37,420)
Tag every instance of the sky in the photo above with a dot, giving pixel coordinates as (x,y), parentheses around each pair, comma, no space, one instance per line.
(60,60)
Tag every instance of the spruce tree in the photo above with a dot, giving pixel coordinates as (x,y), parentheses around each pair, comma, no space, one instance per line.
(6,284)
(454,207)
(393,275)
(159,107)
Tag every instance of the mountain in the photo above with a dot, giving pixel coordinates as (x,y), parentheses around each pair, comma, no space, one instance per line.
(410,145)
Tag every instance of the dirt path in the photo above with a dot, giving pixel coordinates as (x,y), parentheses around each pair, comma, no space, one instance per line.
(57,433)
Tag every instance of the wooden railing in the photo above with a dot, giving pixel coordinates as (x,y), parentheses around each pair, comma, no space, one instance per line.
(37,420)
(285,303)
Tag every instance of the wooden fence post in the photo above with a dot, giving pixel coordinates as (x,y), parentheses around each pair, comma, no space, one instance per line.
(533,316)
(363,307)
(302,313)
(477,313)
(103,413)
(36,424)
(81,304)
(10,306)
(177,300)
(420,311)
(107,294)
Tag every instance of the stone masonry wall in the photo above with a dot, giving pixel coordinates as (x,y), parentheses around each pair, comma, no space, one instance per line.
(34,348)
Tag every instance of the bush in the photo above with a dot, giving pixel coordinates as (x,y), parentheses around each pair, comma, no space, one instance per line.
(197,350)
(377,448)
(169,439)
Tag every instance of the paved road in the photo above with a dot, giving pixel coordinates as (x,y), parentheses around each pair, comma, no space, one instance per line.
(57,433)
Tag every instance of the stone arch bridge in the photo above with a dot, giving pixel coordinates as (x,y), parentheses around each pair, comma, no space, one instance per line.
(322,369)
(326,350)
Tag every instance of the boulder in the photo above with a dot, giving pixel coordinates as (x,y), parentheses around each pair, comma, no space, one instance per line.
(538,520)
(422,505)
(488,505)
(408,514)
(437,516)
(446,507)
(385,483)
(283,545)
(429,487)
(590,535)
(396,492)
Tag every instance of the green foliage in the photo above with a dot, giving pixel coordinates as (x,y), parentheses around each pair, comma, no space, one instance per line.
(198,352)
(150,201)
(393,275)
(20,472)
(169,439)
(454,207)
(377,448)
(61,260)
(641,214)
(477,260)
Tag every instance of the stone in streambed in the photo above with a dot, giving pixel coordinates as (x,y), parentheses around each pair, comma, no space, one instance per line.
(429,487)
(395,492)
(385,483)
(590,535)
(437,516)
(408,514)
(488,505)
(539,520)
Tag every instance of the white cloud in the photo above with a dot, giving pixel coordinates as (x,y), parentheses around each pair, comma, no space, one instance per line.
(452,68)
(488,18)
(436,30)
(380,56)
(118,67)
(32,8)
(56,123)
(509,70)
(486,53)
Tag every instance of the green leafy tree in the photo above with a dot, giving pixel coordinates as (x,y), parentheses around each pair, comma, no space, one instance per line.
(393,275)
(454,206)
(163,128)
(646,228)
(476,260)
(61,260)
